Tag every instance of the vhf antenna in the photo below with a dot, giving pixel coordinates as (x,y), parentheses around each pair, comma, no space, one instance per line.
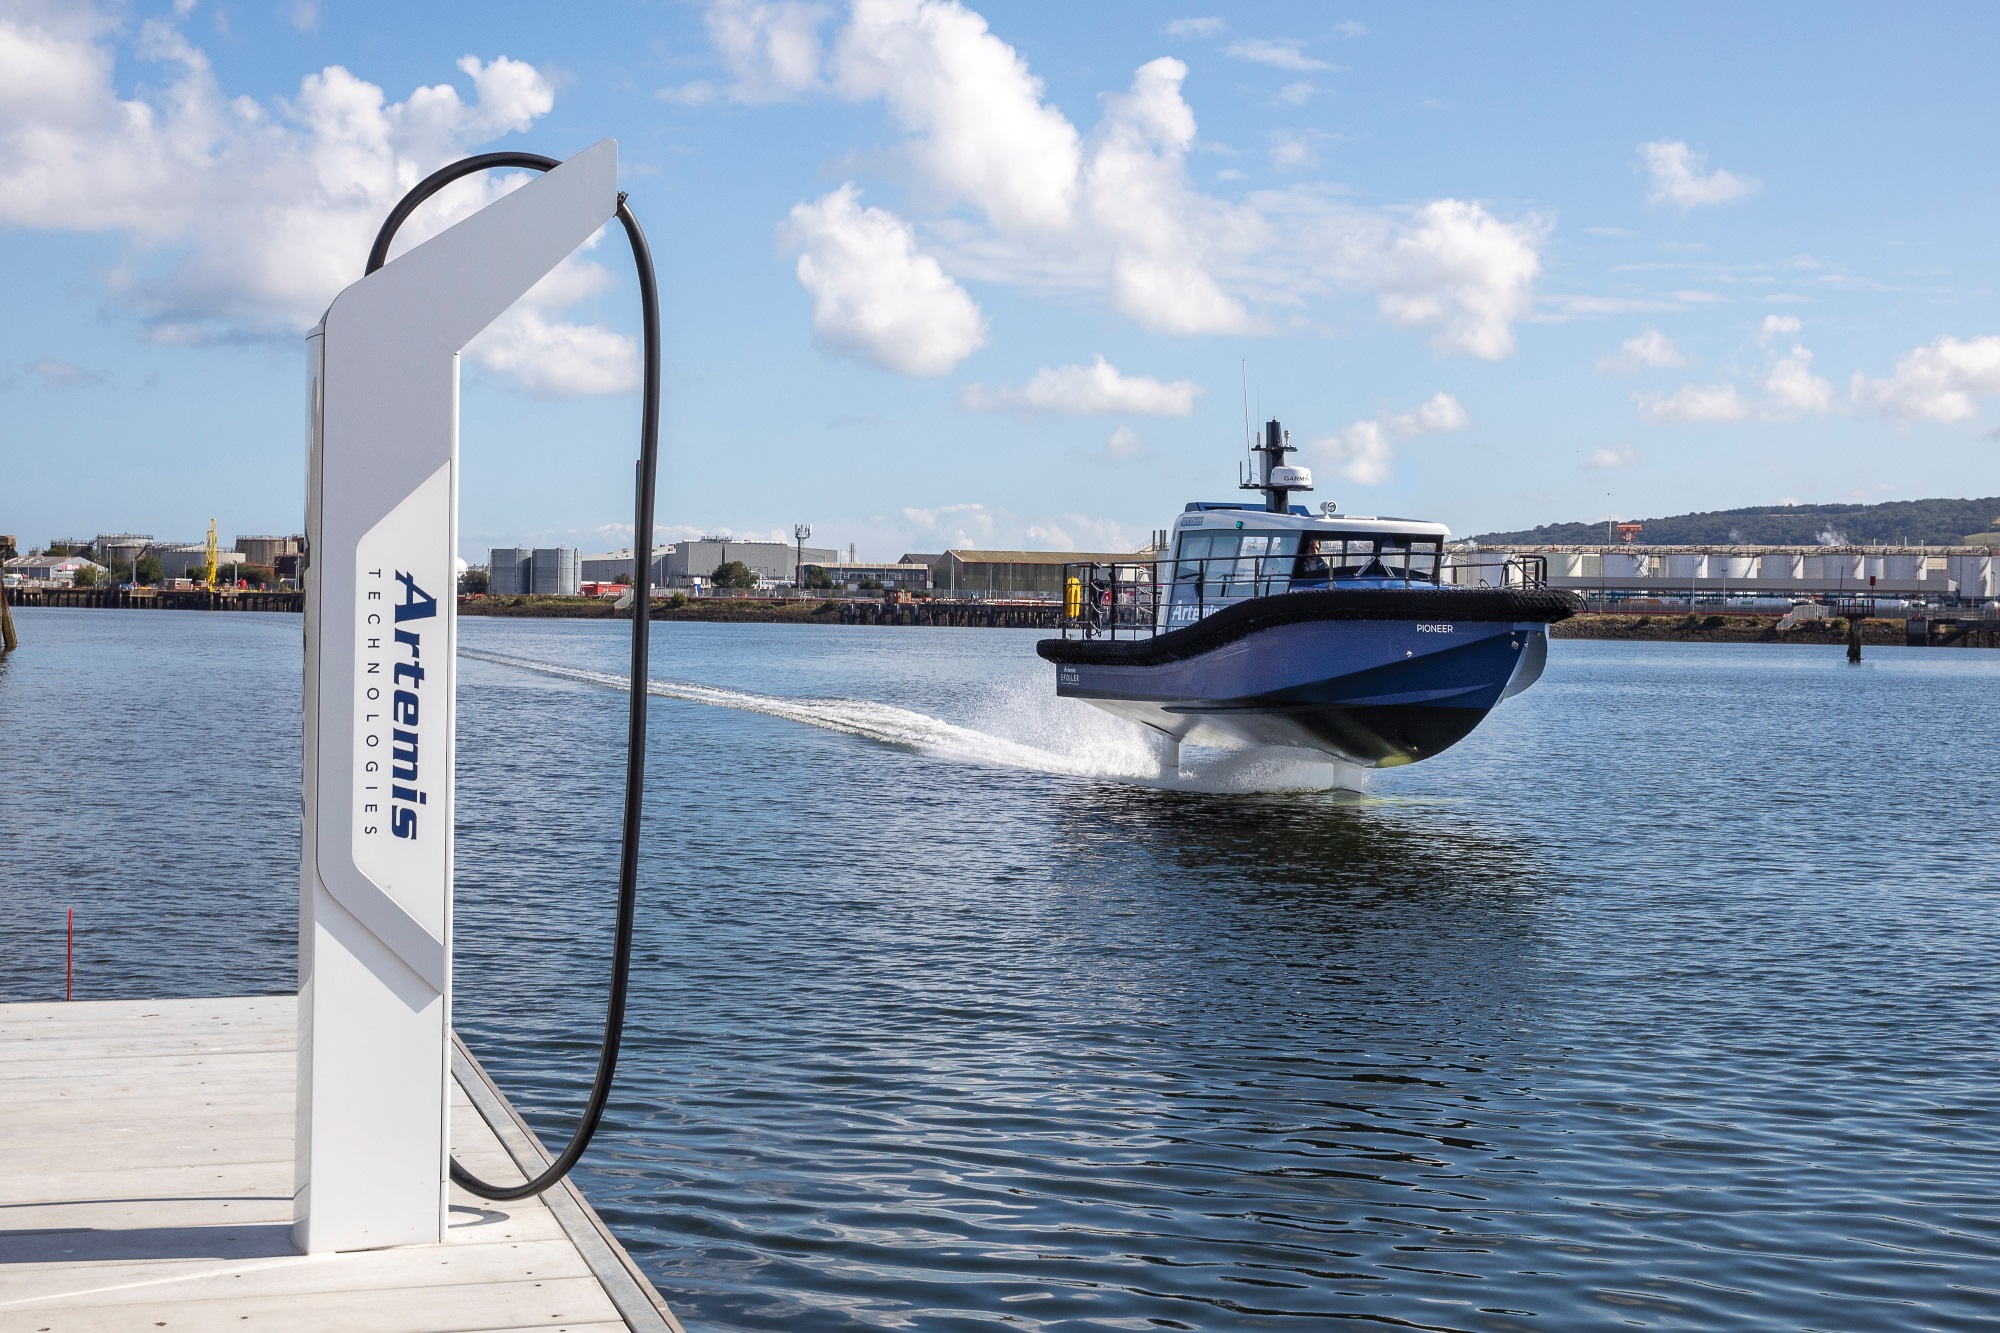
(1245,366)
(1248,439)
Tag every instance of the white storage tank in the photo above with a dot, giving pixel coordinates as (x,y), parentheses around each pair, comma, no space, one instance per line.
(1565,565)
(1902,566)
(1687,566)
(1848,567)
(1731,566)
(1624,565)
(1972,573)
(1787,567)
(1872,566)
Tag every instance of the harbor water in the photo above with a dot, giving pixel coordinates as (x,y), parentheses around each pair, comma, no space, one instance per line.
(1666,1000)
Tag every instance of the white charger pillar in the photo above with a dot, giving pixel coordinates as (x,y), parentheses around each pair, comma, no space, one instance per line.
(381,628)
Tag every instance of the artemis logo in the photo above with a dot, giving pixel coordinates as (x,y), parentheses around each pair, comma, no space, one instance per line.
(1433,629)
(404,704)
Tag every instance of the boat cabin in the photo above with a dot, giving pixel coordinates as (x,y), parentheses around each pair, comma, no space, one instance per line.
(1223,553)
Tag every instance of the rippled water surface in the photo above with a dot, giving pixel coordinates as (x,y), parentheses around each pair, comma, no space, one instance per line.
(1669,999)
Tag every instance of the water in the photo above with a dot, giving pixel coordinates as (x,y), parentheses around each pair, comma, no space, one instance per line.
(1666,1000)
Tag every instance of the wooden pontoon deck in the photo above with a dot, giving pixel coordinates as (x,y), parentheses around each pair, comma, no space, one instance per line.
(146,1183)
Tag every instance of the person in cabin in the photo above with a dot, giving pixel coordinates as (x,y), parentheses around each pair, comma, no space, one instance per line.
(1309,567)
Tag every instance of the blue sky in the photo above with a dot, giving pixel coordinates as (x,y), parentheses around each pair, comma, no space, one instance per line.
(994,275)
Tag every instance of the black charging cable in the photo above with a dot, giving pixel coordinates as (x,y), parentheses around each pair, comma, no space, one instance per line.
(642,598)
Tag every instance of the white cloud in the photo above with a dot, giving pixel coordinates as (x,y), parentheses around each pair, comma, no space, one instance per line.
(979,527)
(981,133)
(1291,150)
(305,15)
(243,219)
(1464,274)
(1792,387)
(1284,53)
(60,374)
(1363,449)
(950,527)
(1079,532)
(1937,382)
(771,46)
(1098,389)
(1006,190)
(1649,348)
(1676,177)
(1122,443)
(1203,27)
(1159,229)
(696,92)
(1778,326)
(552,357)
(1296,94)
(875,295)
(1623,456)
(1695,402)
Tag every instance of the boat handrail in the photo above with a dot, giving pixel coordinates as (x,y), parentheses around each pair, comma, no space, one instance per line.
(1133,599)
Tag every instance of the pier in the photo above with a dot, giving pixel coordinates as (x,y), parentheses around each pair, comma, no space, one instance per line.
(149,1181)
(161,599)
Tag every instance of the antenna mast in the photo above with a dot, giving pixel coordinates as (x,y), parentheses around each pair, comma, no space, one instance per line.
(1275,478)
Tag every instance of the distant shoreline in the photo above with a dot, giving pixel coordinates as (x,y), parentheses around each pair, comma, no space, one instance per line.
(1678,627)
(774,611)
(1686,628)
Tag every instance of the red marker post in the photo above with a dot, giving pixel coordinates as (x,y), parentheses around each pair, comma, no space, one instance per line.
(69,958)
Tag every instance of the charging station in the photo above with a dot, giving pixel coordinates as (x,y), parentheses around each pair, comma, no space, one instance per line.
(375,870)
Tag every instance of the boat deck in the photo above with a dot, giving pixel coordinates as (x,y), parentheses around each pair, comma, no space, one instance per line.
(148,1184)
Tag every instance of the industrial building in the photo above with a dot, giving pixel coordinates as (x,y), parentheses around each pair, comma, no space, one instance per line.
(906,574)
(266,551)
(1016,574)
(121,550)
(182,560)
(773,562)
(543,571)
(1969,573)
(50,571)
(611,566)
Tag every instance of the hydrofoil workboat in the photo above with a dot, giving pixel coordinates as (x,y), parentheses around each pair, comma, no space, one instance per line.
(1272,625)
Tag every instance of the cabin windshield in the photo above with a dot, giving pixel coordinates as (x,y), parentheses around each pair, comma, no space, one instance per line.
(1216,565)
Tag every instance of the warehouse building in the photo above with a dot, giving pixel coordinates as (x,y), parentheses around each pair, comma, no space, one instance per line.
(1036,575)
(50,571)
(771,562)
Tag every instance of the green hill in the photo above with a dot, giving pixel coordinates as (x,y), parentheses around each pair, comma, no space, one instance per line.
(1916,522)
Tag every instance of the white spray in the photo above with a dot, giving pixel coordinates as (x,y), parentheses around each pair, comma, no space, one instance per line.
(1079,742)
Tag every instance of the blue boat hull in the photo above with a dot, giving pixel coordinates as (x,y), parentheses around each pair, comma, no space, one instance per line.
(1373,691)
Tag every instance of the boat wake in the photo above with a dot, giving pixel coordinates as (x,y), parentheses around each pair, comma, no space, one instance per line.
(1100,748)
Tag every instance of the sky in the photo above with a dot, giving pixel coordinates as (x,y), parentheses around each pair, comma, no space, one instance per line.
(1013,275)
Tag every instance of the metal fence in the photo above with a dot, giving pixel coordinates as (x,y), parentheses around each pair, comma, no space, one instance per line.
(1137,600)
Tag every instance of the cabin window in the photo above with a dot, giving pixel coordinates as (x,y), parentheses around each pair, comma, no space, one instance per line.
(1233,564)
(1390,557)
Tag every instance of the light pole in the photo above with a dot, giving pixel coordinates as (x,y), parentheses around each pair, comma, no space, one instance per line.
(799,534)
